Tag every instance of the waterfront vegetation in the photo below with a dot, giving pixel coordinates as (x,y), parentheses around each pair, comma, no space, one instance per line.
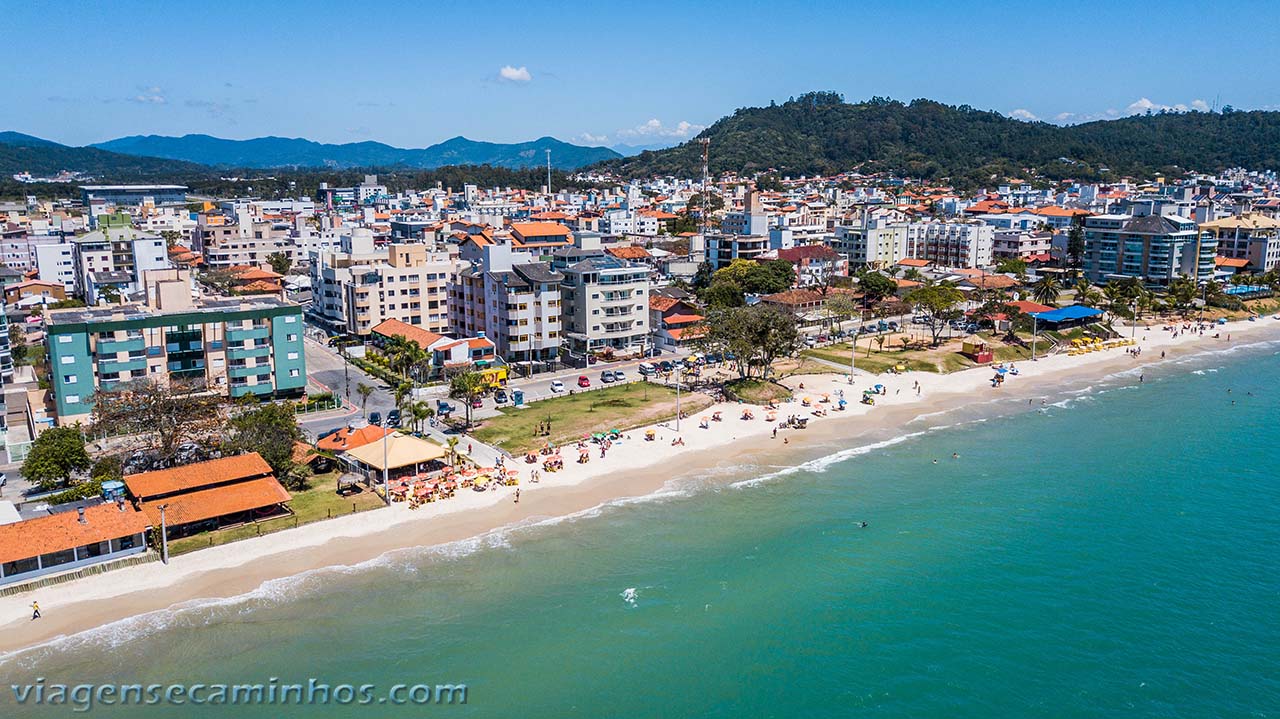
(572,416)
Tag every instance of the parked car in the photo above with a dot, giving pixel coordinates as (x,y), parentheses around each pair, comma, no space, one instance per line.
(619,376)
(375,419)
(893,326)
(666,366)
(556,386)
(584,381)
(647,368)
(810,342)
(500,396)
(476,403)
(443,408)
(606,376)
(393,418)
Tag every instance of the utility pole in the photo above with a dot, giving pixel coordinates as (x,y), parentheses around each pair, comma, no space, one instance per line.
(164,535)
(706,187)
(386,484)
(549,178)
(1034,319)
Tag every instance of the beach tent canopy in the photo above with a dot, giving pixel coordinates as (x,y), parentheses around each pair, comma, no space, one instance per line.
(1066,314)
(402,451)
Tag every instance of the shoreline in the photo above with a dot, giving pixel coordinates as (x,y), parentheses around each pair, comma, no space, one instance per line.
(240,568)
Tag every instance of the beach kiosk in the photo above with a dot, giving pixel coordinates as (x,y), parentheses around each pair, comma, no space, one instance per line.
(975,348)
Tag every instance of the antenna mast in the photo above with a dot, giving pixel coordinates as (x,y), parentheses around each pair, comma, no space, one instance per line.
(706,187)
(549,176)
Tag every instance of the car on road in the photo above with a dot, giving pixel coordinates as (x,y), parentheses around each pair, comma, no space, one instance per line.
(666,366)
(375,419)
(476,403)
(619,376)
(556,386)
(810,342)
(500,396)
(606,376)
(393,418)
(646,369)
(584,381)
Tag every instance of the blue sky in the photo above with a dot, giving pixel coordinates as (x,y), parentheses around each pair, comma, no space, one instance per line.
(413,74)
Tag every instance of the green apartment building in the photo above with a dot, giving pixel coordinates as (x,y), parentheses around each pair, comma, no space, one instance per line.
(232,346)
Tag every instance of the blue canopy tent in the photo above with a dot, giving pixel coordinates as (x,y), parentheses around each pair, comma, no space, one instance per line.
(1070,316)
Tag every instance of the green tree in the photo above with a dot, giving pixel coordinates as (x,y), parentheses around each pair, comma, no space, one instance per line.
(279,262)
(467,386)
(55,455)
(755,336)
(109,294)
(1012,266)
(270,429)
(420,412)
(1075,245)
(1046,290)
(875,286)
(364,391)
(938,303)
(723,294)
(171,237)
(841,306)
(160,419)
(703,276)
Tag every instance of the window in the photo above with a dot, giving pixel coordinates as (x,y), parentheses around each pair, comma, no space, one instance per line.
(69,379)
(67,359)
(293,355)
(293,373)
(291,319)
(63,339)
(290,338)
(73,399)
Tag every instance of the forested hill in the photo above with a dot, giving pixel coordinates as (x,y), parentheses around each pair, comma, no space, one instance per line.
(820,133)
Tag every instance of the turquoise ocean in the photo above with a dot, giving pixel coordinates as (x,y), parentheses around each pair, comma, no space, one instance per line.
(1115,552)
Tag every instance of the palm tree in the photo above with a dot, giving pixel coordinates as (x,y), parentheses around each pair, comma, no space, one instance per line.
(452,444)
(1046,290)
(364,391)
(420,411)
(467,386)
(399,395)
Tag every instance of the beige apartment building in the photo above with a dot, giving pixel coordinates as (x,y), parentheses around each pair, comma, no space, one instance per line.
(357,286)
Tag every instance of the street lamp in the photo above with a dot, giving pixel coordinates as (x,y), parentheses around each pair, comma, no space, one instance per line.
(1034,319)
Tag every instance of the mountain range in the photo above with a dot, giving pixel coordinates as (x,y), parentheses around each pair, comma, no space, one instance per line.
(275,152)
(821,133)
(25,153)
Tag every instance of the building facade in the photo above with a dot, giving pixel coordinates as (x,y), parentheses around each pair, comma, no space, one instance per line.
(1152,248)
(233,346)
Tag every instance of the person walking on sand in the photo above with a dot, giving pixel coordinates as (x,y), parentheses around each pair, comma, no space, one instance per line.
(517,495)
(35,611)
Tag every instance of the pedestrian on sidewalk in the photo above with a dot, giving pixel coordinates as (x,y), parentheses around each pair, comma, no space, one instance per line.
(35,611)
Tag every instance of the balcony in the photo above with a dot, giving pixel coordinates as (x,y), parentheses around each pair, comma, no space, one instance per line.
(243,371)
(129,365)
(246,352)
(242,389)
(251,334)
(133,344)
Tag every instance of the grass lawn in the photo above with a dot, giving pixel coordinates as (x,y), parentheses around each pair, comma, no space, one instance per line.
(943,359)
(757,391)
(317,503)
(620,407)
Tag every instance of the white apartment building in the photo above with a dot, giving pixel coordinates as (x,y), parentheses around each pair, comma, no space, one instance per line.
(115,255)
(241,242)
(957,244)
(877,244)
(1017,244)
(508,298)
(57,263)
(358,286)
(606,300)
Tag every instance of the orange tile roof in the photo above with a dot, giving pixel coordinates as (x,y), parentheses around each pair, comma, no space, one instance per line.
(794,297)
(397,328)
(57,532)
(662,304)
(194,476)
(259,286)
(632,252)
(913,262)
(1231,261)
(256,273)
(348,438)
(681,319)
(993,282)
(683,332)
(539,229)
(217,501)
(1026,306)
(902,284)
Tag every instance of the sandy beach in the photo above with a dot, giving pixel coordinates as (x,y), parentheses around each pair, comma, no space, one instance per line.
(634,467)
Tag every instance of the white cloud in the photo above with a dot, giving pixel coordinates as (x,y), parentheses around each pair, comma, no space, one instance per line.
(655,128)
(1143,105)
(514,74)
(590,139)
(149,96)
(1021,114)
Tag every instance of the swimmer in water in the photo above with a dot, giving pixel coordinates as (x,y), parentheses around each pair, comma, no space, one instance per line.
(955,455)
